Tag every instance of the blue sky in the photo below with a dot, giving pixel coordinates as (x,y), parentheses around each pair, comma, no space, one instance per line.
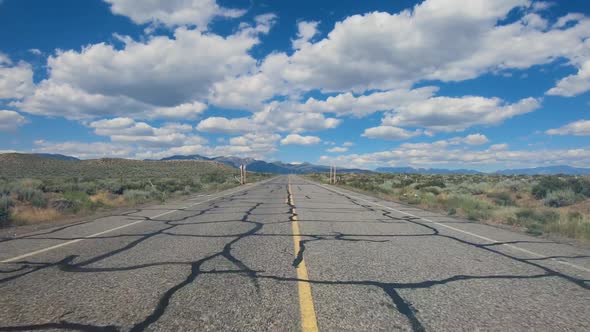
(437,83)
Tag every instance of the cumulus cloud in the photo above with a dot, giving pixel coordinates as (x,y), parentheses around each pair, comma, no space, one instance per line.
(295,139)
(447,40)
(172,12)
(16,80)
(162,77)
(337,149)
(432,154)
(390,133)
(456,114)
(249,145)
(578,128)
(573,85)
(306,30)
(10,120)
(84,150)
(221,125)
(126,130)
(349,104)
(473,139)
(158,71)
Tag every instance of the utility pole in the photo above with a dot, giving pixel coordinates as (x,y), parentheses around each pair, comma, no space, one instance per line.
(242,174)
(334,174)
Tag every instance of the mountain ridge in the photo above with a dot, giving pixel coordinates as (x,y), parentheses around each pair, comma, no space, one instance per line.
(279,167)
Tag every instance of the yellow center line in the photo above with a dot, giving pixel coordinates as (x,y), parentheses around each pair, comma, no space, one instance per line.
(309,322)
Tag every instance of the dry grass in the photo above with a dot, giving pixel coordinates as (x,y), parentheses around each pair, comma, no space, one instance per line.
(508,200)
(27,215)
(107,199)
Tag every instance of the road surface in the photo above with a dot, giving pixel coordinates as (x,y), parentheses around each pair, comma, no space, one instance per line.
(290,255)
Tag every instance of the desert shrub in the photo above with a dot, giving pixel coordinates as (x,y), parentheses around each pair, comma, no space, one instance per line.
(575,216)
(561,198)
(5,205)
(137,196)
(33,196)
(78,200)
(476,188)
(432,183)
(524,216)
(501,198)
(546,185)
(433,190)
(474,208)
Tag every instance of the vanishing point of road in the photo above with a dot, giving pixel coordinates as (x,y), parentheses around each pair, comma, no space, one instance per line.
(288,254)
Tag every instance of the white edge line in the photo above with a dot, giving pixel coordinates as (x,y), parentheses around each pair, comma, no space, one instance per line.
(461,231)
(40,251)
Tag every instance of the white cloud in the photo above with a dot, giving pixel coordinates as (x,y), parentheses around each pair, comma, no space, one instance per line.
(126,130)
(64,100)
(222,125)
(390,133)
(456,114)
(249,145)
(348,144)
(160,71)
(284,117)
(16,80)
(447,40)
(578,128)
(337,149)
(35,51)
(573,85)
(348,104)
(473,139)
(436,154)
(84,150)
(306,30)
(182,111)
(496,147)
(295,139)
(172,12)
(10,120)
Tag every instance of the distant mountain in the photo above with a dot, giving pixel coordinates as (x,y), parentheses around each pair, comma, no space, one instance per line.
(261,166)
(412,170)
(190,157)
(54,156)
(547,170)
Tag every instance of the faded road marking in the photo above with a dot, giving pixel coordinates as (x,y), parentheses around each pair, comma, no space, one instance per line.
(532,253)
(37,252)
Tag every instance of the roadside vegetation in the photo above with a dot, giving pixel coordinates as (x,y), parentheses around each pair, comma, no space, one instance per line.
(543,204)
(36,190)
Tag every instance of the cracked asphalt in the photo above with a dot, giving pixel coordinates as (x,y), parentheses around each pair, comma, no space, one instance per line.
(226,262)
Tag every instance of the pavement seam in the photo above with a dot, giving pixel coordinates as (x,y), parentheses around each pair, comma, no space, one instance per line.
(57,246)
(581,268)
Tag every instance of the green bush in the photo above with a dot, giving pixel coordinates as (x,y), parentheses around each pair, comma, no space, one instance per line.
(79,200)
(432,183)
(501,198)
(5,205)
(546,185)
(561,198)
(33,196)
(137,196)
(524,216)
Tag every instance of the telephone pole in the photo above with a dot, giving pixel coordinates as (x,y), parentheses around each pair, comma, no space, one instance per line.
(332,174)
(242,174)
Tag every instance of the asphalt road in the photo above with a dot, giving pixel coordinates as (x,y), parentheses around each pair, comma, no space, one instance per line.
(289,257)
